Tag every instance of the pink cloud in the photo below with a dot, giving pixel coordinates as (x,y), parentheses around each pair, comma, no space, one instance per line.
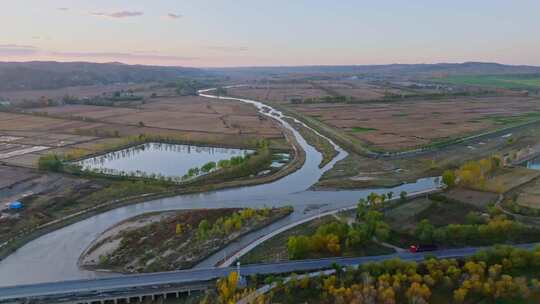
(233,49)
(28,52)
(173,16)
(17,50)
(119,14)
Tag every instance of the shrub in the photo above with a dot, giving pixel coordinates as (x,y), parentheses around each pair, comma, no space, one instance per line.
(50,162)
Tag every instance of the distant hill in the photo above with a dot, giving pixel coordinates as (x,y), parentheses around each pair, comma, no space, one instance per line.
(467,68)
(53,75)
(39,75)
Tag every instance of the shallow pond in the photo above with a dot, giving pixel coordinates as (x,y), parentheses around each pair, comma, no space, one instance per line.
(160,159)
(280,159)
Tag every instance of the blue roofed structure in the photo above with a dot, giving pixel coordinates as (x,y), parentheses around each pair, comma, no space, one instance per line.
(15,205)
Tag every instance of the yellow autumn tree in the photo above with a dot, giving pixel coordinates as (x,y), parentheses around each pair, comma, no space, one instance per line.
(332,244)
(227,287)
(418,293)
(460,294)
(178,228)
(386,295)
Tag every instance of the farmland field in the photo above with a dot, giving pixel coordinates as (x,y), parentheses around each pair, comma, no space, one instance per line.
(278,92)
(25,136)
(528,195)
(409,124)
(508,179)
(76,91)
(193,114)
(287,92)
(499,81)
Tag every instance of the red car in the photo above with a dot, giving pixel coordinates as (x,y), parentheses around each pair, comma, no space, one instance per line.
(422,248)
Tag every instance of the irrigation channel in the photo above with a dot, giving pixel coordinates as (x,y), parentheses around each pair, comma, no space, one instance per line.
(53,257)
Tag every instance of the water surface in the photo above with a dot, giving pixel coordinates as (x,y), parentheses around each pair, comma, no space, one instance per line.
(168,160)
(534,164)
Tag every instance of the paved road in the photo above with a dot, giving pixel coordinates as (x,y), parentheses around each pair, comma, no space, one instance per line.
(201,275)
(240,253)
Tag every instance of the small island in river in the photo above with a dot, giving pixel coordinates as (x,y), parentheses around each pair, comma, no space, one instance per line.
(173,240)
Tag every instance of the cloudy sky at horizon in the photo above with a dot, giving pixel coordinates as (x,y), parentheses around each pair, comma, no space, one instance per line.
(279,32)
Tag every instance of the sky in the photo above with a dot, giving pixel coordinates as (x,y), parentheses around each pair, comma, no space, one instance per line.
(224,33)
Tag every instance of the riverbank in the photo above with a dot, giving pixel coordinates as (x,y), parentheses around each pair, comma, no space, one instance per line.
(19,238)
(173,240)
(322,145)
(24,236)
(365,168)
(358,171)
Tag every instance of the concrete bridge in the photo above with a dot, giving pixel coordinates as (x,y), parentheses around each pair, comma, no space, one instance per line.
(138,287)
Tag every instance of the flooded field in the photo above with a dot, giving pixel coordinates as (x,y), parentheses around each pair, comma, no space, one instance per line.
(158,159)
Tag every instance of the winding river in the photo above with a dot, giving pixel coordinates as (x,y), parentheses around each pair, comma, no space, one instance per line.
(53,257)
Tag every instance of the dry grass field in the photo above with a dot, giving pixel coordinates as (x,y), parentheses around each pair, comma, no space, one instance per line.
(478,199)
(360,90)
(78,91)
(529,195)
(281,93)
(190,114)
(402,125)
(285,92)
(9,176)
(360,171)
(510,178)
(24,137)
(21,145)
(402,217)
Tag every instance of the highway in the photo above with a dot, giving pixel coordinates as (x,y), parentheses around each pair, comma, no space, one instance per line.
(155,280)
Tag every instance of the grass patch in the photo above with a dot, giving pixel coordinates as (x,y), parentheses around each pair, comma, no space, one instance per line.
(275,249)
(524,199)
(400,115)
(507,179)
(445,213)
(402,216)
(512,82)
(362,129)
(511,120)
(478,199)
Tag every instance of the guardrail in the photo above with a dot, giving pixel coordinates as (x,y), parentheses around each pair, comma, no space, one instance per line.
(125,286)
